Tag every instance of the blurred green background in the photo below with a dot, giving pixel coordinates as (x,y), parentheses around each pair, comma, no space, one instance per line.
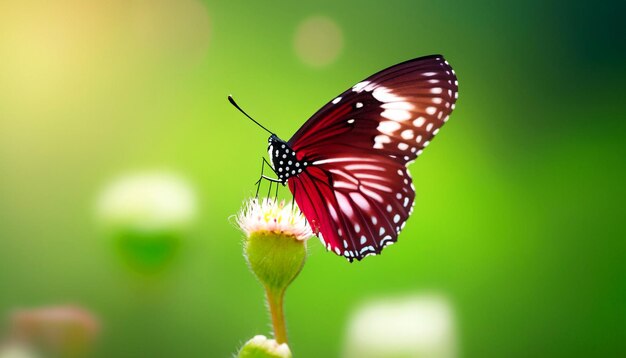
(519,219)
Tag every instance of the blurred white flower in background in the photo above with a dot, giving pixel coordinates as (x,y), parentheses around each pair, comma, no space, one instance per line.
(52,331)
(149,201)
(15,350)
(418,326)
(146,216)
(318,41)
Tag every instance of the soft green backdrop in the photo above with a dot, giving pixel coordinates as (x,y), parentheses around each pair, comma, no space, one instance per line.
(520,215)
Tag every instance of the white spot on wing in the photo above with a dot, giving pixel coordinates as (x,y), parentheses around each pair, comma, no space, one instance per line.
(381,139)
(396,114)
(360,86)
(340,184)
(342,159)
(336,100)
(344,204)
(388,127)
(398,105)
(419,121)
(333,213)
(360,201)
(385,239)
(365,167)
(372,194)
(385,95)
(377,186)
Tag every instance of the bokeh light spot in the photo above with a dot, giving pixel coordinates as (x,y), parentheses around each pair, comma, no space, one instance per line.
(411,326)
(318,41)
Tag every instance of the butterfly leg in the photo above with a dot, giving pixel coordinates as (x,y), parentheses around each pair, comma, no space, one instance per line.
(293,197)
(258,182)
(263,176)
(276,193)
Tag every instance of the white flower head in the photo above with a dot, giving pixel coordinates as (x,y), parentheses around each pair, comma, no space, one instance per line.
(270,215)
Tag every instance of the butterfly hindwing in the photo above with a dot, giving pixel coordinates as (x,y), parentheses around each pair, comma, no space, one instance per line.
(361,211)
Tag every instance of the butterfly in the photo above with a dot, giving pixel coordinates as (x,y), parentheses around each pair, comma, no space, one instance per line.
(347,165)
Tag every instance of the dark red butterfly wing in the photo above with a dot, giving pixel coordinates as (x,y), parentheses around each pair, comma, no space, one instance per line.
(357,193)
(362,210)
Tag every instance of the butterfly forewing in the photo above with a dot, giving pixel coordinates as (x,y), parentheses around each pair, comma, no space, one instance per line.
(357,193)
(396,111)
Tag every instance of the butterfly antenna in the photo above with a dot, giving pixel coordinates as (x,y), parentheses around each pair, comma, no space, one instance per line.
(232,101)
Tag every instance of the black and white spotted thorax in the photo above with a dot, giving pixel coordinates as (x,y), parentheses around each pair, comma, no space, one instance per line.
(284,159)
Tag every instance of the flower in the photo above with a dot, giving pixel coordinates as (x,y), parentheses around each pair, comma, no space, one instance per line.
(55,330)
(275,249)
(15,350)
(260,346)
(272,216)
(146,215)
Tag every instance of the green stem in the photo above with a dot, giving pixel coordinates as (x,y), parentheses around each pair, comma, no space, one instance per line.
(275,302)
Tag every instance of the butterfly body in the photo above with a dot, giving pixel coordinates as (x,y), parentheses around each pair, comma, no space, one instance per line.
(284,160)
(347,165)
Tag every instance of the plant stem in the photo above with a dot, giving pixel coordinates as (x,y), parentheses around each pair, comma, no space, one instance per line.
(275,303)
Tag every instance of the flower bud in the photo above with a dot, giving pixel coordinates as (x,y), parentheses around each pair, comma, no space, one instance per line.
(276,241)
(261,347)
